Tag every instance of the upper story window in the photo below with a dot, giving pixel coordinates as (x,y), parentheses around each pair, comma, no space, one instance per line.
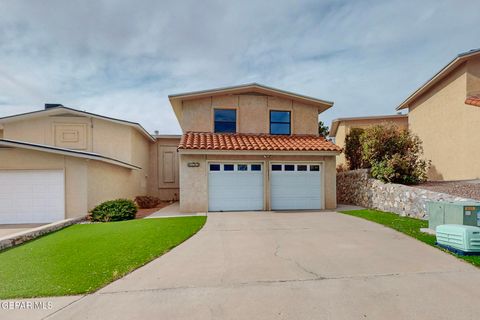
(225,120)
(280,122)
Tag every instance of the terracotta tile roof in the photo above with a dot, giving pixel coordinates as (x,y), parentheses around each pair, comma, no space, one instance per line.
(473,100)
(266,142)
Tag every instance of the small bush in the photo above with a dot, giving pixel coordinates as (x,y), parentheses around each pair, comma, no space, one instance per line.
(353,150)
(394,155)
(341,168)
(147,202)
(114,210)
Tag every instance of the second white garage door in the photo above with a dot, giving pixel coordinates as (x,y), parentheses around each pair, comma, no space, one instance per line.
(235,186)
(296,186)
(31,196)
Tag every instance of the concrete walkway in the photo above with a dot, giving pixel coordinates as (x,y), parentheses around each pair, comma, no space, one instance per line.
(305,265)
(172,210)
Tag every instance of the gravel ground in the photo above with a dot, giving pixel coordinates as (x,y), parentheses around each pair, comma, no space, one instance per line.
(463,189)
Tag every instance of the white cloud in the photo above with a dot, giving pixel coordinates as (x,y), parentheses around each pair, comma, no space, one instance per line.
(122,58)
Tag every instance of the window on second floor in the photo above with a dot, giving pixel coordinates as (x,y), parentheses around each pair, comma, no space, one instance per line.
(225,120)
(280,122)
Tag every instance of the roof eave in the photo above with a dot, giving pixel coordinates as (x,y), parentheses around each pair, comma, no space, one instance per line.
(460,58)
(66,152)
(259,152)
(54,110)
(322,105)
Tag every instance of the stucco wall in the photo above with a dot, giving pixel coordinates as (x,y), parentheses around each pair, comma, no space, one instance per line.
(164,177)
(358,188)
(448,128)
(75,174)
(95,135)
(253,113)
(344,128)
(194,181)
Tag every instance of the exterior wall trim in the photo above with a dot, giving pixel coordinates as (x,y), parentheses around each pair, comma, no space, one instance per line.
(258,152)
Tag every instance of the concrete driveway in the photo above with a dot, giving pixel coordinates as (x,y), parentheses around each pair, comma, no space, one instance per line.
(300,265)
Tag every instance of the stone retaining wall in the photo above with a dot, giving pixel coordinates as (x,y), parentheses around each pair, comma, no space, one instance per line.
(358,188)
(21,237)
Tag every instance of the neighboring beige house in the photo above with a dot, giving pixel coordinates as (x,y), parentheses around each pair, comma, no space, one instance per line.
(341,127)
(61,162)
(253,147)
(444,112)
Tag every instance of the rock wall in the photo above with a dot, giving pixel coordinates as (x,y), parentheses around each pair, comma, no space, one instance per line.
(358,188)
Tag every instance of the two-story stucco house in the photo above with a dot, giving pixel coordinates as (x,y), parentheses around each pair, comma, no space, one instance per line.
(248,147)
(444,112)
(253,147)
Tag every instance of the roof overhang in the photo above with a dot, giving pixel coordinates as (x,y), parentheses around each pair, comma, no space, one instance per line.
(258,152)
(66,152)
(336,122)
(452,65)
(177,99)
(61,110)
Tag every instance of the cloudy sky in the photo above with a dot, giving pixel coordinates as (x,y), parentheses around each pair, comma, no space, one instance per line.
(122,58)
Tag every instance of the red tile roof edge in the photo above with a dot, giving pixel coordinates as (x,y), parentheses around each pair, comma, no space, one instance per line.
(255,142)
(473,100)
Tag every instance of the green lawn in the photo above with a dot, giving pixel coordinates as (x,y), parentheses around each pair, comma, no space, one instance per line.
(409,226)
(85,257)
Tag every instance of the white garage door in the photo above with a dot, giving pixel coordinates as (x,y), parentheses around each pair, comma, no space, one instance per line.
(31,196)
(235,186)
(296,186)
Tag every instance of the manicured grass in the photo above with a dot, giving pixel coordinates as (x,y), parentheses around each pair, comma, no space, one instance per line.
(409,226)
(85,257)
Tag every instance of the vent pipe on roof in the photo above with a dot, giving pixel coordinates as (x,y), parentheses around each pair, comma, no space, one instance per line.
(52,105)
(156,132)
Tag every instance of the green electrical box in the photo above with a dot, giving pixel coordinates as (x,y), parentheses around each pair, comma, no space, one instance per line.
(466,239)
(443,212)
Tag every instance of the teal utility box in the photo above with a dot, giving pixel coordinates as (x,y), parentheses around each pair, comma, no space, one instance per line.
(465,239)
(443,212)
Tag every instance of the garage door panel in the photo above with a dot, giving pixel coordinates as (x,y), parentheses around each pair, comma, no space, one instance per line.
(235,190)
(296,189)
(32,196)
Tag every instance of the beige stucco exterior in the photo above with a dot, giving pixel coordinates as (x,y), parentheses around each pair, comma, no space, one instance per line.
(194,180)
(87,182)
(344,126)
(253,113)
(447,126)
(196,114)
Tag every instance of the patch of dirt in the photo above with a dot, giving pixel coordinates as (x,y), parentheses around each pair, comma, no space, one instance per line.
(142,213)
(462,189)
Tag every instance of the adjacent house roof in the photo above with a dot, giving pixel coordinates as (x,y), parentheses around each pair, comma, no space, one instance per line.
(64,151)
(176,99)
(473,101)
(255,142)
(336,122)
(458,60)
(62,110)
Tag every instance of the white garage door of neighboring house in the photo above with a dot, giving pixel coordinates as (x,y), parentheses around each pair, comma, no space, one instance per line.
(31,196)
(296,186)
(235,186)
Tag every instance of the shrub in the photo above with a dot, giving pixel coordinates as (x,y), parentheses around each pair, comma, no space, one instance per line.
(147,202)
(394,155)
(114,210)
(353,150)
(341,168)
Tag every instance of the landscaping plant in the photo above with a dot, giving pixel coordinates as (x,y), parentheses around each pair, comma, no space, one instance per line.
(353,150)
(114,210)
(393,155)
(147,202)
